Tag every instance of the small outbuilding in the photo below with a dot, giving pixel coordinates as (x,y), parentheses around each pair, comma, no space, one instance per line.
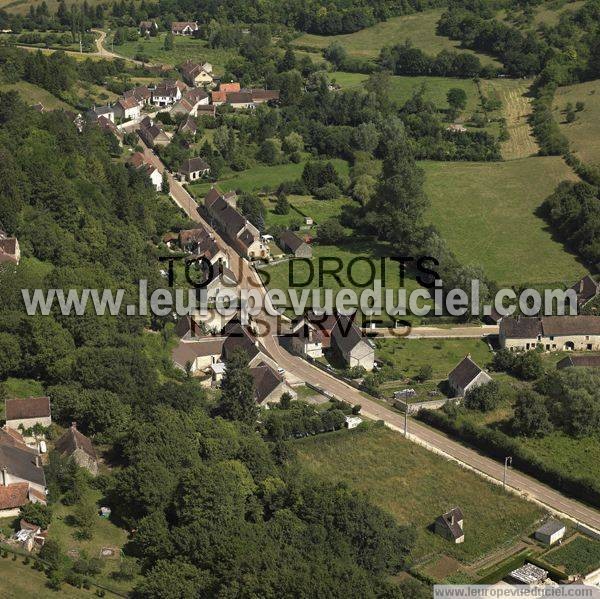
(292,244)
(352,422)
(451,525)
(467,376)
(550,532)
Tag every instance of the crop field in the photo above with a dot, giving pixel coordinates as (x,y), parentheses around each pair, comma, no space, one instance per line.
(415,485)
(419,28)
(580,555)
(516,108)
(584,133)
(183,48)
(487,214)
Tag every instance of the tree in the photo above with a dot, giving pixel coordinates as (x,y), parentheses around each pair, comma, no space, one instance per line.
(10,354)
(288,61)
(269,151)
(293,143)
(483,398)
(85,516)
(331,232)
(237,389)
(168,43)
(457,99)
(425,373)
(282,206)
(529,366)
(531,417)
(37,514)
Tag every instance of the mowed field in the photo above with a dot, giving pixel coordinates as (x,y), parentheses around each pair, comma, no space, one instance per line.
(584,133)
(416,486)
(516,108)
(487,214)
(419,28)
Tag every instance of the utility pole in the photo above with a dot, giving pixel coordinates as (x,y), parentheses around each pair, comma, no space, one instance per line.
(507,463)
(406,419)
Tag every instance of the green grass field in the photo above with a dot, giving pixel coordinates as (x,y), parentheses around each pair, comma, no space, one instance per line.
(18,581)
(416,486)
(318,210)
(487,214)
(183,48)
(32,94)
(419,28)
(402,88)
(260,177)
(442,355)
(584,133)
(580,555)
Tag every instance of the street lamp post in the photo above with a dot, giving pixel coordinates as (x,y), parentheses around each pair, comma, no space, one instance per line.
(507,463)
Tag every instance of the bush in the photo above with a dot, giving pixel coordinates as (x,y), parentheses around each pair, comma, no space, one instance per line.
(330,191)
(483,398)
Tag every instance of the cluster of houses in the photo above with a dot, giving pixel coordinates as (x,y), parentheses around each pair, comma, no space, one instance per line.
(22,478)
(313,333)
(206,355)
(243,236)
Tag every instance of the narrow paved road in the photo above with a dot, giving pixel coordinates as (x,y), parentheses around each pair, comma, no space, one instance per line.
(429,438)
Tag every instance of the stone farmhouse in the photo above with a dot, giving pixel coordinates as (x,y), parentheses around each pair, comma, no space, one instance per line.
(269,385)
(552,333)
(10,252)
(184,27)
(306,339)
(76,445)
(196,74)
(348,340)
(22,478)
(197,355)
(466,377)
(138,161)
(167,92)
(141,94)
(244,236)
(586,290)
(589,361)
(127,108)
(292,244)
(153,135)
(27,413)
(192,169)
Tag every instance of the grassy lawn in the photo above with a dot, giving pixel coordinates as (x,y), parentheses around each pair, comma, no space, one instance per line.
(261,177)
(416,486)
(105,534)
(419,28)
(402,88)
(487,214)
(18,581)
(318,210)
(549,12)
(584,133)
(408,355)
(32,94)
(183,48)
(580,555)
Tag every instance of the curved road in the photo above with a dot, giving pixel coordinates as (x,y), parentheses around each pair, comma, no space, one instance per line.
(433,440)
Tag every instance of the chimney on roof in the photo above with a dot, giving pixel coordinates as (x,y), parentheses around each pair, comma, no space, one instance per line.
(37,461)
(452,518)
(4,477)
(74,426)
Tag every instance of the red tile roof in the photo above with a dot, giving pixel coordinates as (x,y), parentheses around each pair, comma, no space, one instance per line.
(14,496)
